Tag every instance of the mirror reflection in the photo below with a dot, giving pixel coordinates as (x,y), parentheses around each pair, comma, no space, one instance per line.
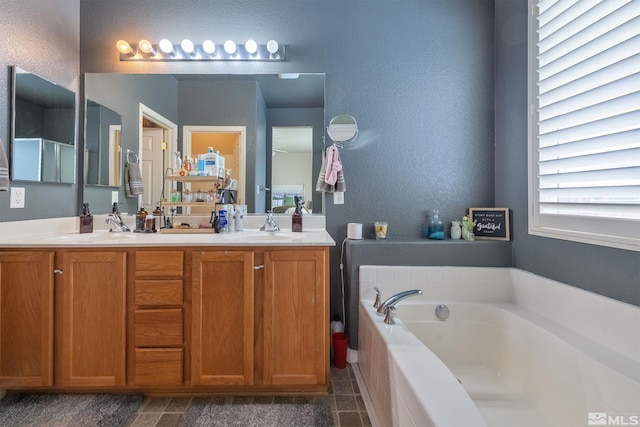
(259,103)
(43,130)
(102,151)
(342,128)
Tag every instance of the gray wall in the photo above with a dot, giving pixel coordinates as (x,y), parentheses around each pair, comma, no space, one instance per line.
(34,41)
(611,272)
(436,131)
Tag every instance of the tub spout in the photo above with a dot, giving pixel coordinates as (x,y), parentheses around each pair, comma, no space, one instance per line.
(393,300)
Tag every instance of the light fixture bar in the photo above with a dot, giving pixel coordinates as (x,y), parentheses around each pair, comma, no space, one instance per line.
(166,50)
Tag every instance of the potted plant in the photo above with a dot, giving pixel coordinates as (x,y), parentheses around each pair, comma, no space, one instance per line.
(467,228)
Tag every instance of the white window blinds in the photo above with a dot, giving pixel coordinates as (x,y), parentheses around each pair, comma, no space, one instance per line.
(586,99)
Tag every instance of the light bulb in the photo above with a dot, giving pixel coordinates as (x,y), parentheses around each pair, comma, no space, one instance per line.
(166,46)
(272,46)
(145,46)
(251,46)
(124,47)
(209,47)
(187,46)
(230,47)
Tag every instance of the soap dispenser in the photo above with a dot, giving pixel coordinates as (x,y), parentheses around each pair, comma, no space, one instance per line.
(86,219)
(296,218)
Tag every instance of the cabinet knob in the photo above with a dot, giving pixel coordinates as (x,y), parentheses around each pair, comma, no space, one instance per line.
(57,271)
(258,267)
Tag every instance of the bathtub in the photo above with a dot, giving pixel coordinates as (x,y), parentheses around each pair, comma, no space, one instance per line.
(516,350)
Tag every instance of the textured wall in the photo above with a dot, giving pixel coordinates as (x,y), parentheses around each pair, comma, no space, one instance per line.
(610,272)
(42,37)
(417,75)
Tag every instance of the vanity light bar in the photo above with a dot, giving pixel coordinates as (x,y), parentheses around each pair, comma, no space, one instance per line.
(186,50)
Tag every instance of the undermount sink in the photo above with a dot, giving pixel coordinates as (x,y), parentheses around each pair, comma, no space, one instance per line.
(96,236)
(263,236)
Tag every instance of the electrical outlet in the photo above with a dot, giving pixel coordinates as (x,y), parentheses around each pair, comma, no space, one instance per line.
(17,197)
(114,197)
(338,198)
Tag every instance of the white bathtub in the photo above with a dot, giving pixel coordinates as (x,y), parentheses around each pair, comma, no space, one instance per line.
(506,356)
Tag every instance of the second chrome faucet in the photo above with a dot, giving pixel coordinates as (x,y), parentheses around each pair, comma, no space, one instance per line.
(389,305)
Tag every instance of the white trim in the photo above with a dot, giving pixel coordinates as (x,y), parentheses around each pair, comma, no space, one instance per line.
(170,128)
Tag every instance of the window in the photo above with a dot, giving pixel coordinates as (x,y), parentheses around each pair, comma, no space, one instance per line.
(584,131)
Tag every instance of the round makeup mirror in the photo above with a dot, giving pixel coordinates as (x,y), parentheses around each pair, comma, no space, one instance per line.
(342,128)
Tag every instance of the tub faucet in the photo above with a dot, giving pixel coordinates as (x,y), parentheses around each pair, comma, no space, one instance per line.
(270,225)
(115,220)
(393,300)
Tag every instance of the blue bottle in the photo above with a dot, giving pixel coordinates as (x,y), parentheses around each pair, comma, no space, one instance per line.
(435,229)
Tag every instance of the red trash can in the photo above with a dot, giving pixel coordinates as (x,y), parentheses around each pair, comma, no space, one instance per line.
(340,349)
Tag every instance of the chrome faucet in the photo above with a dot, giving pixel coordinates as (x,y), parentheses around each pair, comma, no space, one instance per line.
(391,302)
(115,220)
(270,225)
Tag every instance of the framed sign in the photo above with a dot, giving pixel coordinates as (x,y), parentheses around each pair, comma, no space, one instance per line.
(491,223)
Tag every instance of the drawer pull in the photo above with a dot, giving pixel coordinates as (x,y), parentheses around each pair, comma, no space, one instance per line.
(57,271)
(258,267)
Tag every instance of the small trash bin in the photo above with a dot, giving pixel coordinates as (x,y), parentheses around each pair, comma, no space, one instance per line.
(340,349)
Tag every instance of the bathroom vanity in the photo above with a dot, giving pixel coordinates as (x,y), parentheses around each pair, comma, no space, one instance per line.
(246,313)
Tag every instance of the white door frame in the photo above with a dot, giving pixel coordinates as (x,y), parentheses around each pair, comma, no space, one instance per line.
(171,132)
(187,132)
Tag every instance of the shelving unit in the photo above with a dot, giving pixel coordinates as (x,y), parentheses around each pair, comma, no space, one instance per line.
(191,179)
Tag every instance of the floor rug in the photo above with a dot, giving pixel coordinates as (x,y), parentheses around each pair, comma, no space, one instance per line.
(217,412)
(68,410)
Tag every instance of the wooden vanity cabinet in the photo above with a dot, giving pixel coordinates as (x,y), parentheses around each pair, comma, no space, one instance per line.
(296,317)
(26,319)
(222,317)
(158,318)
(91,318)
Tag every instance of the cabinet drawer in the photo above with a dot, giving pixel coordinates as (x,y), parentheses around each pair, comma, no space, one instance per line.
(158,366)
(161,327)
(158,292)
(159,263)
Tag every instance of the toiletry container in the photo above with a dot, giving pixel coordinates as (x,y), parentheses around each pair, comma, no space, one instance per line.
(296,218)
(140,217)
(239,217)
(211,163)
(201,164)
(435,227)
(220,165)
(149,224)
(86,219)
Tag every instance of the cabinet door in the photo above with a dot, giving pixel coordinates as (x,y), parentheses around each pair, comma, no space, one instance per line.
(92,315)
(296,318)
(26,319)
(222,318)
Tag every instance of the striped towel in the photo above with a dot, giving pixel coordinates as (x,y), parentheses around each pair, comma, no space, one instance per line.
(4,169)
(331,178)
(133,180)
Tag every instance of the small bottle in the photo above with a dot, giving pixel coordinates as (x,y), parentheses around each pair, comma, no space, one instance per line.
(186,165)
(86,219)
(149,224)
(201,164)
(436,227)
(140,217)
(157,213)
(296,218)
(239,217)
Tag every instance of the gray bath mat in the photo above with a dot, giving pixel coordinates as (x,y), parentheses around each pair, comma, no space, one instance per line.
(67,410)
(219,412)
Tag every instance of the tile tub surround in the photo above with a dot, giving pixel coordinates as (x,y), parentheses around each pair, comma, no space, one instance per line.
(609,330)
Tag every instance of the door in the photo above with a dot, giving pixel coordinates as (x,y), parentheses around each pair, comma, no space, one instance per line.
(91,310)
(222,318)
(26,319)
(152,165)
(296,317)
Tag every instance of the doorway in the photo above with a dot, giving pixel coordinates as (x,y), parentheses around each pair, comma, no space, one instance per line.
(158,141)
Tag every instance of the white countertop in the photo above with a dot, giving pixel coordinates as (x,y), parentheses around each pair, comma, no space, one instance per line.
(63,232)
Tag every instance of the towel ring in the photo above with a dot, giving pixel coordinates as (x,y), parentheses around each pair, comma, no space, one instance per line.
(131,155)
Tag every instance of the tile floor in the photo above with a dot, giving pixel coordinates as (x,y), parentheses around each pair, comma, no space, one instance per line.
(344,399)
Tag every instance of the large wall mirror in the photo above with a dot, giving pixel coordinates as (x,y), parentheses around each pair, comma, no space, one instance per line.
(103,145)
(283,116)
(43,130)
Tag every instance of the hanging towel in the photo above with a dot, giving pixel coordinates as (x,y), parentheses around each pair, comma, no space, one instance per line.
(4,169)
(133,180)
(331,178)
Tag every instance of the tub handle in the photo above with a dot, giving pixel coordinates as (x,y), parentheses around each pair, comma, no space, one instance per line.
(377,302)
(389,318)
